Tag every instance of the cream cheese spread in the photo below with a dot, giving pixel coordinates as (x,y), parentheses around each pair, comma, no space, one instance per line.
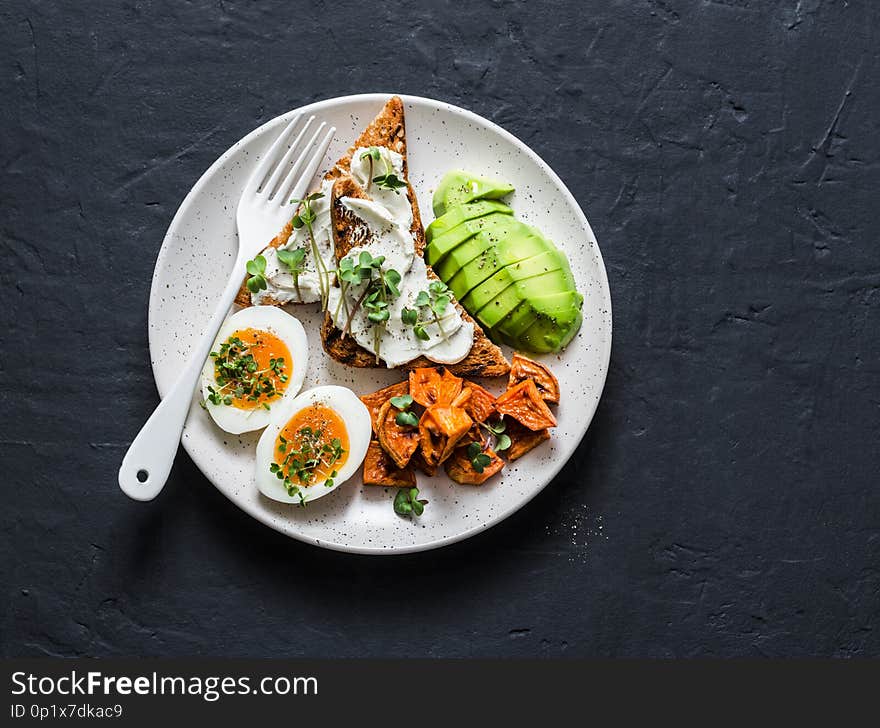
(281,285)
(384,224)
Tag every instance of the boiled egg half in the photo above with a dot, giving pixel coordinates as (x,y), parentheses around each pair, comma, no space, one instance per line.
(313,444)
(258,362)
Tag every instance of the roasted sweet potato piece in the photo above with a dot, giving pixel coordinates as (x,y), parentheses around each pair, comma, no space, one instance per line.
(482,403)
(524,403)
(522,439)
(462,399)
(460,468)
(418,461)
(474,434)
(439,430)
(434,385)
(522,368)
(399,441)
(375,400)
(379,469)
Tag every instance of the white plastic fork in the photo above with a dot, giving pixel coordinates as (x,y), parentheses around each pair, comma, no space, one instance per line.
(263,210)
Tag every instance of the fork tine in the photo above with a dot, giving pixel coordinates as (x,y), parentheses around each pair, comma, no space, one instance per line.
(255,182)
(295,169)
(271,186)
(305,177)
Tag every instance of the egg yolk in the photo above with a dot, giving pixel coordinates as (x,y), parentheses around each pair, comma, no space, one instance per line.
(311,447)
(252,368)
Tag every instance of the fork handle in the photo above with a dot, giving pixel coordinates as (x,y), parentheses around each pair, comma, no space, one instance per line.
(148,462)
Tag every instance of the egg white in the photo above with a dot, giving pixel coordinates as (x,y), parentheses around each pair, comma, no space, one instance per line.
(353,413)
(291,332)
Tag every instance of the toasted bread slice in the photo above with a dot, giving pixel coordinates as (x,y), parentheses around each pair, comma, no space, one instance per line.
(385,130)
(485,358)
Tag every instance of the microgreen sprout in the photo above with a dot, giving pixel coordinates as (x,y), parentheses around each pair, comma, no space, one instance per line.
(405,417)
(407,503)
(256,268)
(433,303)
(304,218)
(497,428)
(276,366)
(294,260)
(389,180)
(479,459)
(238,375)
(302,458)
(402,402)
(372,155)
(380,288)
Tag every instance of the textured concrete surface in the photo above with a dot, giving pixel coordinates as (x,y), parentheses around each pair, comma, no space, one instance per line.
(725,501)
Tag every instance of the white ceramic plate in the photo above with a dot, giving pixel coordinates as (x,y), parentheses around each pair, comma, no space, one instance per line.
(196,258)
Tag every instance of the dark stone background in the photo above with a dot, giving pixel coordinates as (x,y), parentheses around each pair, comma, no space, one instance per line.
(725,500)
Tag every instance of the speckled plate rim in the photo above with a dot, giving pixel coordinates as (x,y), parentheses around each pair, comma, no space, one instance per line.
(574,441)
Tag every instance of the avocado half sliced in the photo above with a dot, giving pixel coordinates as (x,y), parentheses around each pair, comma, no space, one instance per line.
(514,281)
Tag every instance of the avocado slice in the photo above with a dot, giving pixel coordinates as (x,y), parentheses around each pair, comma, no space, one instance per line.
(515,323)
(500,248)
(500,307)
(511,314)
(547,262)
(461,256)
(451,264)
(562,307)
(490,314)
(441,245)
(461,213)
(497,225)
(459,187)
(550,333)
(559,312)
(497,230)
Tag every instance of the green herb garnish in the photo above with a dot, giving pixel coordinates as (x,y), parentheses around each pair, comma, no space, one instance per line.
(380,289)
(256,268)
(304,218)
(403,402)
(479,459)
(405,417)
(407,503)
(294,260)
(497,428)
(238,376)
(434,302)
(302,458)
(373,155)
(389,181)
